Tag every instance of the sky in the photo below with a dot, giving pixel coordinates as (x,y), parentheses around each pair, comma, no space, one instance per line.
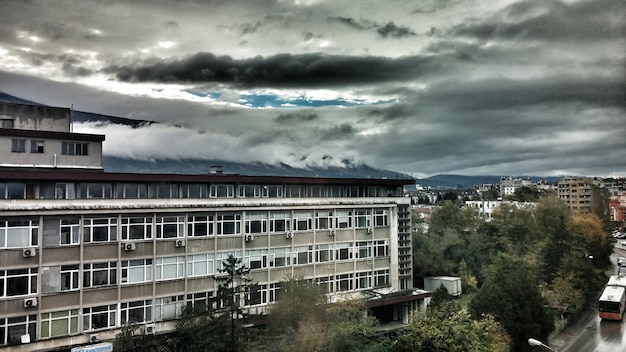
(423,87)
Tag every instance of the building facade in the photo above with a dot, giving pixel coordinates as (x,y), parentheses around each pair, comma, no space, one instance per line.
(83,251)
(576,193)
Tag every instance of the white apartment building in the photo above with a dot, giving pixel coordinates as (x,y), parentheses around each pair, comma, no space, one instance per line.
(83,251)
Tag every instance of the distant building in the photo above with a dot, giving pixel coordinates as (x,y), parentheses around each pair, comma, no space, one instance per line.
(576,193)
(486,207)
(509,185)
(617,209)
(84,251)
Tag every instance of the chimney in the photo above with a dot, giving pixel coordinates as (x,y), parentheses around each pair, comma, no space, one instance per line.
(217,169)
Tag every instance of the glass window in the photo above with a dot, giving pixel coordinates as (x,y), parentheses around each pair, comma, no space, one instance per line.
(61,323)
(256,259)
(18,145)
(249,191)
(228,224)
(344,219)
(256,222)
(135,271)
(222,191)
(344,282)
(364,280)
(324,252)
(74,148)
(362,218)
(302,255)
(70,231)
(200,225)
(36,146)
(18,282)
(343,251)
(323,220)
(100,317)
(280,221)
(12,329)
(303,220)
(380,217)
(132,190)
(18,233)
(100,229)
(200,264)
(137,228)
(273,191)
(99,274)
(170,268)
(280,257)
(257,294)
(170,226)
(69,277)
(64,190)
(95,190)
(15,190)
(168,308)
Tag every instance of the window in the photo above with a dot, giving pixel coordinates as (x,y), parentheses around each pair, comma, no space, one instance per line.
(352,191)
(200,225)
(344,219)
(303,220)
(100,229)
(326,283)
(381,278)
(135,271)
(381,248)
(137,228)
(12,190)
(228,224)
(302,255)
(257,294)
(18,233)
(364,249)
(280,221)
(18,145)
(163,190)
(274,291)
(280,257)
(273,191)
(200,301)
(170,268)
(194,190)
(380,217)
(137,311)
(61,323)
(220,257)
(95,190)
(74,148)
(256,259)
(364,280)
(99,274)
(18,282)
(256,222)
(69,277)
(294,191)
(335,191)
(168,308)
(344,282)
(200,264)
(324,253)
(100,317)
(371,191)
(323,220)
(36,147)
(343,251)
(222,191)
(315,191)
(7,123)
(12,329)
(170,226)
(70,231)
(64,190)
(249,191)
(132,190)
(362,218)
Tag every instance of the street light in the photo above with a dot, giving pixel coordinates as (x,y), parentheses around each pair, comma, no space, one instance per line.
(535,343)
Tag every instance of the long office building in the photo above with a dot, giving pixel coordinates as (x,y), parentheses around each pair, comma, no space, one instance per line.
(83,250)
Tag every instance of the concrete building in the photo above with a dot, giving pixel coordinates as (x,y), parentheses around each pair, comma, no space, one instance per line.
(576,192)
(486,207)
(509,185)
(83,251)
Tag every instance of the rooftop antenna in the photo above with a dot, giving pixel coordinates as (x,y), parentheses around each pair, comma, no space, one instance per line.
(71,122)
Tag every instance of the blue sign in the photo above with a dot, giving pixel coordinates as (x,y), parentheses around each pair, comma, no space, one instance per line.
(101,347)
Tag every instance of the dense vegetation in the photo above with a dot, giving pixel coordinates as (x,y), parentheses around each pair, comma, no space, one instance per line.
(526,267)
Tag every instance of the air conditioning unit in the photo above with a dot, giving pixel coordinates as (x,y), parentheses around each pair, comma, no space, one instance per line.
(249,238)
(180,243)
(149,329)
(332,232)
(129,246)
(289,235)
(370,230)
(93,338)
(30,302)
(29,252)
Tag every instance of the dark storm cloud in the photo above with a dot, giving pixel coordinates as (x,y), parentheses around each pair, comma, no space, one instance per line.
(551,20)
(388,30)
(283,70)
(296,117)
(343,131)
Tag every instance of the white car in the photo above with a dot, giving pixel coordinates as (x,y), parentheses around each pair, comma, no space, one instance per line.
(623,243)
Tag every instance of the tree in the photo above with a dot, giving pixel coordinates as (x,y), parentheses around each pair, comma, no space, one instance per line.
(230,292)
(510,293)
(526,194)
(448,328)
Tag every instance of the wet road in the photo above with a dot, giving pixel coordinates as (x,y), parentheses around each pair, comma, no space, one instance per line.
(597,335)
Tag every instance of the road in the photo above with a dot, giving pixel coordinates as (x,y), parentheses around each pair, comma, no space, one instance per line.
(592,334)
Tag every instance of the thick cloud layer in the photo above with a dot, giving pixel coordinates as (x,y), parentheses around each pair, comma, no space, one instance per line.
(510,87)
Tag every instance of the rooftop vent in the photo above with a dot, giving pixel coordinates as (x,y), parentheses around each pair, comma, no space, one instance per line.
(217,169)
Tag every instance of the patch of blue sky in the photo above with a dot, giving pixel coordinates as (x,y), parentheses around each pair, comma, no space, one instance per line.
(268,100)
